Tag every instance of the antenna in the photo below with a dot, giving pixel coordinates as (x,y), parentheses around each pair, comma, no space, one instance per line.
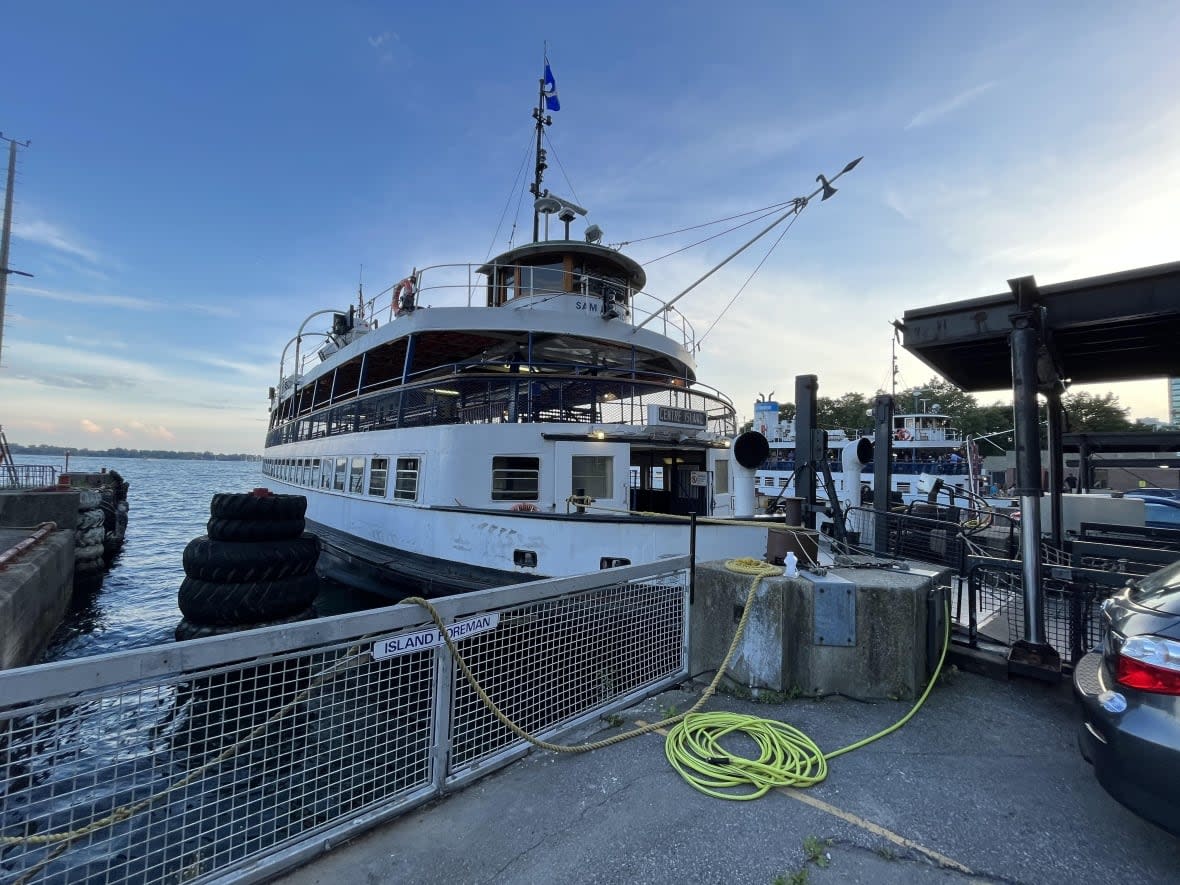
(543,120)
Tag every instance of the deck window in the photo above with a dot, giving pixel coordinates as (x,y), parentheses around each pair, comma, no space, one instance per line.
(543,279)
(515,478)
(341,472)
(378,476)
(405,487)
(326,474)
(356,476)
(595,474)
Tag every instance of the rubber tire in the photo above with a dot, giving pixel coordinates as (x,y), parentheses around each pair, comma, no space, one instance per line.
(88,551)
(187,629)
(88,519)
(242,562)
(253,602)
(255,507)
(85,567)
(239,530)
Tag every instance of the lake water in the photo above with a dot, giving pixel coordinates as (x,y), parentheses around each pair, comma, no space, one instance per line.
(169,506)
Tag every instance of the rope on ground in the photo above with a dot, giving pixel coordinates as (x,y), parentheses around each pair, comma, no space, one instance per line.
(754,567)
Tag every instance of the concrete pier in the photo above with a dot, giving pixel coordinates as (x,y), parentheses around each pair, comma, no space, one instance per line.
(36,583)
(861,632)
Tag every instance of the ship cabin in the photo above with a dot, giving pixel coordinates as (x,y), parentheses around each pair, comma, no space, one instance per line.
(556,343)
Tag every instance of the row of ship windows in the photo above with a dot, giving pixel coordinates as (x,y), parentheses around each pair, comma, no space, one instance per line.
(348,475)
(514,478)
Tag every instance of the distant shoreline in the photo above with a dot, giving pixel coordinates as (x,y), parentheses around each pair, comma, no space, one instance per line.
(62,451)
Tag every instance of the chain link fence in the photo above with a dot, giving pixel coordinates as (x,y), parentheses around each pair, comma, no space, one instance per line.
(233,757)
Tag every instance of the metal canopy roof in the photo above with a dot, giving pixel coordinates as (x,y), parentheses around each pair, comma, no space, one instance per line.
(1118,327)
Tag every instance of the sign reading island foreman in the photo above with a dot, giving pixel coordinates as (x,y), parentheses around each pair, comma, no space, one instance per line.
(422,640)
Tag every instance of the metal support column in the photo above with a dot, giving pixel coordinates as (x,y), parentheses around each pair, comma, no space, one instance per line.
(882,471)
(1056,462)
(806,387)
(1031,655)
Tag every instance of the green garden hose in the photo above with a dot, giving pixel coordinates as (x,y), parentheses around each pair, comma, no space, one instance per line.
(787,757)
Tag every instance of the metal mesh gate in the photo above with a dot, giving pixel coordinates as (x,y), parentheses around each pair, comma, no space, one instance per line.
(235,756)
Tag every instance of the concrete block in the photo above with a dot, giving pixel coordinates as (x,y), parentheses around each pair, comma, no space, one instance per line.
(781,651)
(24,508)
(34,594)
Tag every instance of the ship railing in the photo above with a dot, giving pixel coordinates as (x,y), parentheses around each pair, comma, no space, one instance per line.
(497,398)
(27,476)
(463,285)
(238,757)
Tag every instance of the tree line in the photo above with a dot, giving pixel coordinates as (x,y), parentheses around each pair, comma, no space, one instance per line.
(1085,412)
(119,452)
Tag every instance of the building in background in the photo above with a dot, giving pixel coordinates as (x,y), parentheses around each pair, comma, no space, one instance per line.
(1174,401)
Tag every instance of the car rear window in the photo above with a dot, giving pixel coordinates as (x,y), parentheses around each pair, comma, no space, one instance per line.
(1159,583)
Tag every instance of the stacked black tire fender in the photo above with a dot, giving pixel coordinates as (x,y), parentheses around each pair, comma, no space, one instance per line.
(114,510)
(89,564)
(255,567)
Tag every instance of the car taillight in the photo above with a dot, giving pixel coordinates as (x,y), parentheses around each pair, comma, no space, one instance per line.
(1150,663)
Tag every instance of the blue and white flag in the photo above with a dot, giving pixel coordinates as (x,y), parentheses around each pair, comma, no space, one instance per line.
(550,90)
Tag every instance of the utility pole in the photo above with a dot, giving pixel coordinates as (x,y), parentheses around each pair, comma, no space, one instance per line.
(5,270)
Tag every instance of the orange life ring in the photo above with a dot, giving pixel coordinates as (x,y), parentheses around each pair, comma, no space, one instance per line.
(901,434)
(403,295)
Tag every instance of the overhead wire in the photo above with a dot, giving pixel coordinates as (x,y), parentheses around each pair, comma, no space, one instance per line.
(742,288)
(766,209)
(516,182)
(557,157)
(728,230)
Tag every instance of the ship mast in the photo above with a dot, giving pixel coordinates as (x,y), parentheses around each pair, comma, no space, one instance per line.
(543,120)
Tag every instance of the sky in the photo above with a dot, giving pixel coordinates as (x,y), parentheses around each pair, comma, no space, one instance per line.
(201,177)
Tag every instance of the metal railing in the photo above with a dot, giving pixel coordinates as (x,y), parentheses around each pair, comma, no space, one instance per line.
(27,476)
(498,399)
(236,757)
(941,535)
(1070,609)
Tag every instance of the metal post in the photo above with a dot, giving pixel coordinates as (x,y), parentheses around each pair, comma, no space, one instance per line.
(1030,655)
(806,387)
(692,558)
(882,471)
(5,233)
(1056,465)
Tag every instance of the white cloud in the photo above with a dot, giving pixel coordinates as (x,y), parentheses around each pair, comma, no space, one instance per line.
(926,116)
(125,301)
(55,237)
(89,426)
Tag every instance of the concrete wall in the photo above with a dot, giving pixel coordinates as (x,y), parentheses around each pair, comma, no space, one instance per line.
(34,593)
(24,508)
(779,651)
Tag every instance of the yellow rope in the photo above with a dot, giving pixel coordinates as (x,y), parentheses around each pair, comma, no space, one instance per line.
(754,567)
(787,756)
(124,812)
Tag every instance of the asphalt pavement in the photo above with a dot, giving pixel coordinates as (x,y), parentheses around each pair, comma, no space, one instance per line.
(984,784)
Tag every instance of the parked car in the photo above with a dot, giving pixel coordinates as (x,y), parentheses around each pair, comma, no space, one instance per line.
(1129,691)
(1153,493)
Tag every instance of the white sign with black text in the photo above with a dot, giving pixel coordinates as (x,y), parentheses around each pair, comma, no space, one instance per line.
(423,640)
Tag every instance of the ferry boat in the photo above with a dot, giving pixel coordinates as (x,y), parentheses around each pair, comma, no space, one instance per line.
(535,415)
(927,446)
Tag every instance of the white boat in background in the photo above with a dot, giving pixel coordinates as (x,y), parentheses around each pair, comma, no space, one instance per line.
(927,448)
(535,415)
